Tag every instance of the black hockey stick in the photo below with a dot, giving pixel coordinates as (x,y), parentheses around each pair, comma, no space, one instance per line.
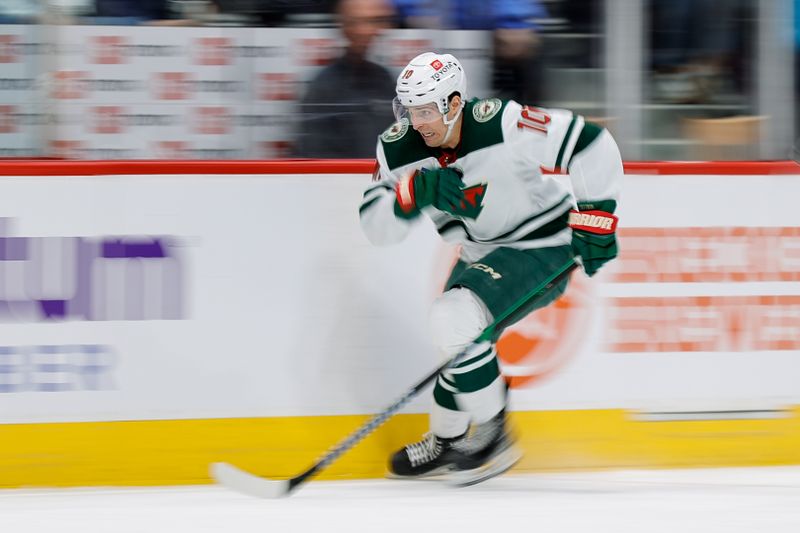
(247,483)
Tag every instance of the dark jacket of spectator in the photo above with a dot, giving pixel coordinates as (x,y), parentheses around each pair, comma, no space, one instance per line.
(141,9)
(346,107)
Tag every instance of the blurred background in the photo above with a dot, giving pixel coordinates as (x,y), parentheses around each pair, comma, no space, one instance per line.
(270,79)
(156,317)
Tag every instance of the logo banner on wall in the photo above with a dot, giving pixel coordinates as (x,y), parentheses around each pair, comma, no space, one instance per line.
(225,93)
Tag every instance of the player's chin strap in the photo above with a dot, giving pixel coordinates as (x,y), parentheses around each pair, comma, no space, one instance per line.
(451,123)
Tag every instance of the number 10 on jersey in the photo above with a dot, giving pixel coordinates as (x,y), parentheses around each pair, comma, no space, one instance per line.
(533,118)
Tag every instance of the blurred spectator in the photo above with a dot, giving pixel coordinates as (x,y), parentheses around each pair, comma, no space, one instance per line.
(796,147)
(136,10)
(581,22)
(20,11)
(151,12)
(44,11)
(693,43)
(517,66)
(583,16)
(348,104)
(307,13)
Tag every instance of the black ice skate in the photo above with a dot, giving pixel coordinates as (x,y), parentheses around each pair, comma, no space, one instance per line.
(487,451)
(426,459)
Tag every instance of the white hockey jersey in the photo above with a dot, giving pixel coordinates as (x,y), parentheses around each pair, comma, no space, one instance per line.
(508,154)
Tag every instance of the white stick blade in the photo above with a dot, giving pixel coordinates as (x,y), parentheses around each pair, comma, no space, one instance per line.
(247,483)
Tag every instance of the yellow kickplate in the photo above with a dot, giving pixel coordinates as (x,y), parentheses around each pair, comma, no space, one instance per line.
(167,452)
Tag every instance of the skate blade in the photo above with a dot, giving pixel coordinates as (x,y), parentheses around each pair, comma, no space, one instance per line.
(498,465)
(440,474)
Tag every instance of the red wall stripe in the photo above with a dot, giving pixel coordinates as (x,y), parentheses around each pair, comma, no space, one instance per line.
(49,167)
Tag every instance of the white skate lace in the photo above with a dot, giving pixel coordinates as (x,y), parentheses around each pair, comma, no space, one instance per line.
(425,450)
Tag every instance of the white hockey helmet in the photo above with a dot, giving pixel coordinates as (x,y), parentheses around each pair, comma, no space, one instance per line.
(429,78)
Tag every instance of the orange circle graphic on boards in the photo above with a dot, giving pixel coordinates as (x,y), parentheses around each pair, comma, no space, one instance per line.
(543,342)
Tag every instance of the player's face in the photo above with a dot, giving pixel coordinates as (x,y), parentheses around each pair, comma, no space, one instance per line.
(428,121)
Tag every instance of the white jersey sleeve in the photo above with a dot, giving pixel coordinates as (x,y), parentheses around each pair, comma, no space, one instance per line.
(378,221)
(557,140)
(596,171)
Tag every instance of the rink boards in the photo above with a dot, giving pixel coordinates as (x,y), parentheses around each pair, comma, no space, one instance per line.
(159,316)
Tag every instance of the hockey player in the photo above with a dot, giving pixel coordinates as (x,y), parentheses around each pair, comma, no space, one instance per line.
(477,169)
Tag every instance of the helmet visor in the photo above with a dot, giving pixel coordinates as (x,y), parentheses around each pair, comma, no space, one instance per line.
(421,114)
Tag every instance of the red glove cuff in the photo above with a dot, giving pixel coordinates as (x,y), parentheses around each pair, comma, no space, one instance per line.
(405,193)
(598,222)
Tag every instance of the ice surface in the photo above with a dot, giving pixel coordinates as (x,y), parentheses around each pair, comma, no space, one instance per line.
(743,500)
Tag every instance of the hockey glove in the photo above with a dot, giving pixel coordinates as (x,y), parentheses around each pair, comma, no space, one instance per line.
(594,234)
(439,187)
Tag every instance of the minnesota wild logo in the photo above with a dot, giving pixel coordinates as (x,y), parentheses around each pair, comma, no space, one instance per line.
(472,205)
(395,131)
(484,110)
